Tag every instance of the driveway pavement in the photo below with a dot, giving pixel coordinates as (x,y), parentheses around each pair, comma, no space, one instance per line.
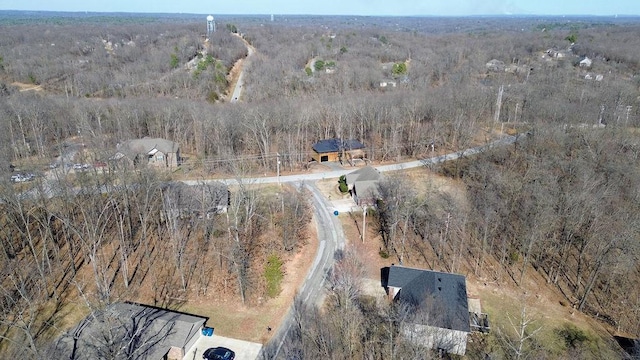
(244,350)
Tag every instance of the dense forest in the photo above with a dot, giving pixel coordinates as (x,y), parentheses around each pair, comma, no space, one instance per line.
(562,201)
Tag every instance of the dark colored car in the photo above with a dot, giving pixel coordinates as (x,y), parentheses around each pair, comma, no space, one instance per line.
(219,353)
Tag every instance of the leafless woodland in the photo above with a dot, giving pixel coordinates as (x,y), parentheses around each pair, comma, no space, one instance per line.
(563,202)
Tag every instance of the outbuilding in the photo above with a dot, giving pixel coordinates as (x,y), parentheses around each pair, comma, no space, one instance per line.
(337,150)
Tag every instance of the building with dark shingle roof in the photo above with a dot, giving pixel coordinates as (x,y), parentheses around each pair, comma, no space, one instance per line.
(439,303)
(336,149)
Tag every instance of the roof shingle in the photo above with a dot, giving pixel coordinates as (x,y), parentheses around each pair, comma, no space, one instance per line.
(442,295)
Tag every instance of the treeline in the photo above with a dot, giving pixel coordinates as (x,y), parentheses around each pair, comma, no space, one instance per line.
(444,96)
(563,200)
(96,244)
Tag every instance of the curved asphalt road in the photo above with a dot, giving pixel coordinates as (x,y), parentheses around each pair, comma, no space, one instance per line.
(330,234)
(330,241)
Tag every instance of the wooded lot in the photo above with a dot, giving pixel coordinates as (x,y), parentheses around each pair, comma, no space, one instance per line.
(562,202)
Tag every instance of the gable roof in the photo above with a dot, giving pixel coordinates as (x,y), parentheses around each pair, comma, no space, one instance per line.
(367,173)
(143,332)
(148,146)
(335,145)
(586,61)
(365,182)
(442,295)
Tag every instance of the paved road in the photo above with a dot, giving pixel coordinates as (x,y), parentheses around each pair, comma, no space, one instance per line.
(330,234)
(237,91)
(330,241)
(382,168)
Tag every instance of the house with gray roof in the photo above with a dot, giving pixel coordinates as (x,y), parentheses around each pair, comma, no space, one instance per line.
(131,331)
(438,301)
(337,149)
(363,185)
(150,152)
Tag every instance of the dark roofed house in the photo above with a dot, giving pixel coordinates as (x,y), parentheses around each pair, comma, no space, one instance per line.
(363,184)
(439,302)
(131,331)
(202,200)
(337,149)
(150,151)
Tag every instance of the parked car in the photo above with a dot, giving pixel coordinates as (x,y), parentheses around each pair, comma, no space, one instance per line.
(22,177)
(218,353)
(80,166)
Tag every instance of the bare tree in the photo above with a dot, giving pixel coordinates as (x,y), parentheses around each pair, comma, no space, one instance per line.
(518,338)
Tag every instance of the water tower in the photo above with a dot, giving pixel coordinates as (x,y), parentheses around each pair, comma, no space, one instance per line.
(211,26)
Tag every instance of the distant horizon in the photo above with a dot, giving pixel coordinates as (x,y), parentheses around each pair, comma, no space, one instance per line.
(338,15)
(400,8)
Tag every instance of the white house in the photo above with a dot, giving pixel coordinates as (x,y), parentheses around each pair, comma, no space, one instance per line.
(586,62)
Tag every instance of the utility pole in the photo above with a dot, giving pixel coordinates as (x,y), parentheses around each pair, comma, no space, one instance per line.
(601,116)
(496,116)
(364,221)
(628,111)
(278,167)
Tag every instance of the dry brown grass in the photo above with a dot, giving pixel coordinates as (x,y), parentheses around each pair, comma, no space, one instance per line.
(231,318)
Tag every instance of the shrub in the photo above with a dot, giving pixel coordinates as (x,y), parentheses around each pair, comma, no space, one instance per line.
(572,38)
(514,256)
(232,28)
(32,79)
(572,336)
(399,69)
(212,97)
(342,184)
(174,62)
(273,274)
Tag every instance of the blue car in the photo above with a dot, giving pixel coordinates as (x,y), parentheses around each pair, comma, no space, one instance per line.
(218,353)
